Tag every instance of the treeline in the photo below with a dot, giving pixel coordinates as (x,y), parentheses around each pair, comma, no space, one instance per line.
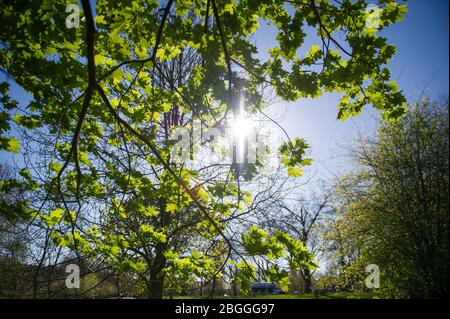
(391,210)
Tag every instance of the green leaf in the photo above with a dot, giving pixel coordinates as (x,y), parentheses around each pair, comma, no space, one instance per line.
(55,217)
(148,211)
(99,59)
(202,194)
(171,208)
(295,171)
(13,145)
(55,166)
(27,121)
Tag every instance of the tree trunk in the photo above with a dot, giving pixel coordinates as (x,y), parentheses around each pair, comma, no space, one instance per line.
(307,278)
(234,283)
(213,288)
(156,280)
(155,288)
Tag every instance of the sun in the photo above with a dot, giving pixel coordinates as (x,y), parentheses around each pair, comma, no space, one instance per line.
(241,130)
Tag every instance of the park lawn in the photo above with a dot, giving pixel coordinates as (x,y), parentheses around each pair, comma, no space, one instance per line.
(337,295)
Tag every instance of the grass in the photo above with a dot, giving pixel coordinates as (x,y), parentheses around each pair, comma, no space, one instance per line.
(337,295)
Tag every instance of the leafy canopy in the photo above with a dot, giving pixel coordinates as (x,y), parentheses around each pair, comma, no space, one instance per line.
(104,98)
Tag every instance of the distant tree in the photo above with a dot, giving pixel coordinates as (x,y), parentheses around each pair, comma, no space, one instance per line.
(300,212)
(13,239)
(393,210)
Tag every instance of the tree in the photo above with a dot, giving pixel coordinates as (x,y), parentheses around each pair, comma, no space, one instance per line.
(106,97)
(393,210)
(299,211)
(303,220)
(13,239)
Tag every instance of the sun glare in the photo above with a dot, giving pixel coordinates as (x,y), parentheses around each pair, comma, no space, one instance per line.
(241,129)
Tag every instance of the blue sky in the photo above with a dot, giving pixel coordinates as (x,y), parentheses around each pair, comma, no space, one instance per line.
(420,65)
